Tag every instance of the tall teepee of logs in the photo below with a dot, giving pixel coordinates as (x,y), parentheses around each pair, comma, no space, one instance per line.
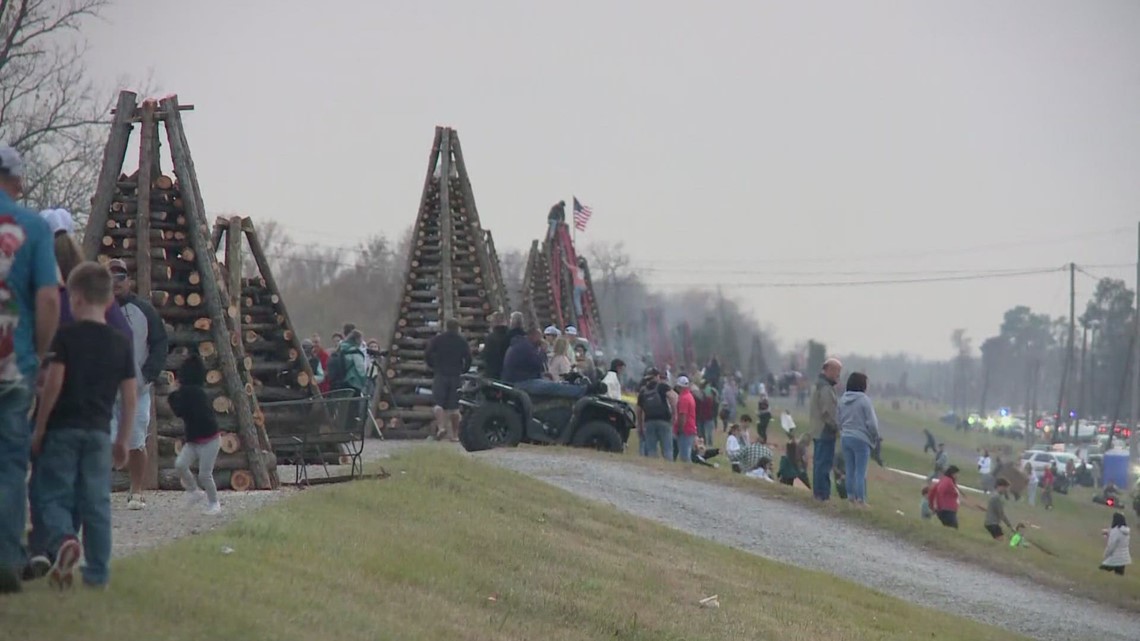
(537,296)
(157,224)
(279,371)
(448,276)
(497,289)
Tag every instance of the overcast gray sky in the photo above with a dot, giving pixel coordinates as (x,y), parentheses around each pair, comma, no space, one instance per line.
(736,143)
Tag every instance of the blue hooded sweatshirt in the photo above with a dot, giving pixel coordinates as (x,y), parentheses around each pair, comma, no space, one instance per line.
(856,417)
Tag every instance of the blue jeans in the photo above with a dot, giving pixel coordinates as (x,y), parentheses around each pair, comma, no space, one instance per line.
(659,434)
(15,446)
(823,459)
(543,387)
(73,478)
(856,454)
(685,447)
(707,431)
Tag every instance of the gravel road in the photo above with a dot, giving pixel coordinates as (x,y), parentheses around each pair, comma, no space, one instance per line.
(795,534)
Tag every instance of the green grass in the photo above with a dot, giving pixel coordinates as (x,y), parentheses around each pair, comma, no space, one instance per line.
(449,548)
(924,417)
(1071,531)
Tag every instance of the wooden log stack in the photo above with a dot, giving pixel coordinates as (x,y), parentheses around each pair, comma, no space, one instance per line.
(276,363)
(499,299)
(448,276)
(154,223)
(537,294)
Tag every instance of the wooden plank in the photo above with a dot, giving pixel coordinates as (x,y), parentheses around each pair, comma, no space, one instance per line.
(447,297)
(148,158)
(253,438)
(234,268)
(114,153)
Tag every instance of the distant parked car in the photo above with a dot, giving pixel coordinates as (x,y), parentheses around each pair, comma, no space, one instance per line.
(949,418)
(1042,460)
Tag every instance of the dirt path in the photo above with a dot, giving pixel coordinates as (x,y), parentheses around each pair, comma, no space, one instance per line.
(808,538)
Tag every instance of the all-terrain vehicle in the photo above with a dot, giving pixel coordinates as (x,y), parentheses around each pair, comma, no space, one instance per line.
(495,414)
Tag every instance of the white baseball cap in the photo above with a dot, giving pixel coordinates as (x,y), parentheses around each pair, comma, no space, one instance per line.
(10,162)
(571,330)
(552,331)
(59,220)
(682,381)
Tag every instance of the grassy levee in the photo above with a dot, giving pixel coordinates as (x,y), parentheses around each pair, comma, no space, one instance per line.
(1069,542)
(450,548)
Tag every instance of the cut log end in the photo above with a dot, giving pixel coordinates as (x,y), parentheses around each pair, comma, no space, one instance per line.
(223,405)
(230,442)
(241,481)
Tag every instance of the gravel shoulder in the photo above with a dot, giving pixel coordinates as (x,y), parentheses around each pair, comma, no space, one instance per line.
(811,539)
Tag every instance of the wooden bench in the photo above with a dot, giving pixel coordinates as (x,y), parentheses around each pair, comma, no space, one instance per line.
(342,422)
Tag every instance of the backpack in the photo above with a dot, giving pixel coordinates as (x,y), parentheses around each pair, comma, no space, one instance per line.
(338,368)
(652,403)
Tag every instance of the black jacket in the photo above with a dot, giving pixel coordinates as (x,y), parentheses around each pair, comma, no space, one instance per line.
(494,351)
(448,354)
(191,404)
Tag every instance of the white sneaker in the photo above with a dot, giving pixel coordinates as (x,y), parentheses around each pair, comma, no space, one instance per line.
(213,509)
(194,497)
(135,502)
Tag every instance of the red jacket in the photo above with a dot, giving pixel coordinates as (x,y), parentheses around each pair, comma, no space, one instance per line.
(945,495)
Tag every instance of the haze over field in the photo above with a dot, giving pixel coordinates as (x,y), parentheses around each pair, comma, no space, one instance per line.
(731,143)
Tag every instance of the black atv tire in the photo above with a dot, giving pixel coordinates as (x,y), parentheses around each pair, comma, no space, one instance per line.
(491,425)
(599,435)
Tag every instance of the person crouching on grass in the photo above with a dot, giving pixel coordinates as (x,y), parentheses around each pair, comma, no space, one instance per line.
(202,443)
(87,364)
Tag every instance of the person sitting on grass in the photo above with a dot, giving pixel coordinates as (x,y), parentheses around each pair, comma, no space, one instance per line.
(702,454)
(1116,554)
(763,470)
(995,510)
(1018,538)
(732,447)
(790,469)
(752,454)
(746,426)
(924,511)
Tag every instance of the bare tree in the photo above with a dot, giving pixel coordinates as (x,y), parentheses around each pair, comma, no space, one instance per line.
(49,111)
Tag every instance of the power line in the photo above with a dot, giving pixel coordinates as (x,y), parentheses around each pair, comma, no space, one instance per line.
(864,283)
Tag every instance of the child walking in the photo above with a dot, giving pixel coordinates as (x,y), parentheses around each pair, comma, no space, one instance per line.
(87,364)
(202,442)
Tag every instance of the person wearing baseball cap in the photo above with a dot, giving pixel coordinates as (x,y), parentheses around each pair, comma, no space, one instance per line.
(150,344)
(685,423)
(29,281)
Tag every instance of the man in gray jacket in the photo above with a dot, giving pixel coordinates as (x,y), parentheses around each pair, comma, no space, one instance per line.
(824,427)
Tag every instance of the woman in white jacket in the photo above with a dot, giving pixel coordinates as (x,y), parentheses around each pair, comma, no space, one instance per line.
(1116,554)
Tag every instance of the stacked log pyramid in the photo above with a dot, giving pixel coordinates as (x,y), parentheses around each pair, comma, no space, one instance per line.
(157,225)
(498,288)
(537,295)
(274,358)
(449,275)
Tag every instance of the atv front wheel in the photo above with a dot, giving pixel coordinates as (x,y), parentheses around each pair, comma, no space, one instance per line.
(599,435)
(491,425)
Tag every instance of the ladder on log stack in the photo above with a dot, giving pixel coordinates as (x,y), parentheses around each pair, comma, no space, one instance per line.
(279,369)
(537,296)
(157,225)
(448,276)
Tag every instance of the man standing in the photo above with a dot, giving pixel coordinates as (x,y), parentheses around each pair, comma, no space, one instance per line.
(29,315)
(516,329)
(150,345)
(495,347)
(686,421)
(656,407)
(449,357)
(824,427)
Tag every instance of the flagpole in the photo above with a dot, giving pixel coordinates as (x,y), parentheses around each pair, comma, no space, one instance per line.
(574,227)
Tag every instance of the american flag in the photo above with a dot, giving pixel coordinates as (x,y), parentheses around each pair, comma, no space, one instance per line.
(582,215)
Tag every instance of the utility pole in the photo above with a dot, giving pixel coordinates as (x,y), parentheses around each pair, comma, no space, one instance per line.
(1135,440)
(1062,397)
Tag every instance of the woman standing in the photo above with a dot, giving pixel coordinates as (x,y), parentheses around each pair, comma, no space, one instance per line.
(944,497)
(1116,554)
(1031,484)
(1047,487)
(859,432)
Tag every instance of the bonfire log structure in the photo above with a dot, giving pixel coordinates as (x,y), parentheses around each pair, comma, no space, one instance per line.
(157,225)
(448,276)
(549,285)
(277,367)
